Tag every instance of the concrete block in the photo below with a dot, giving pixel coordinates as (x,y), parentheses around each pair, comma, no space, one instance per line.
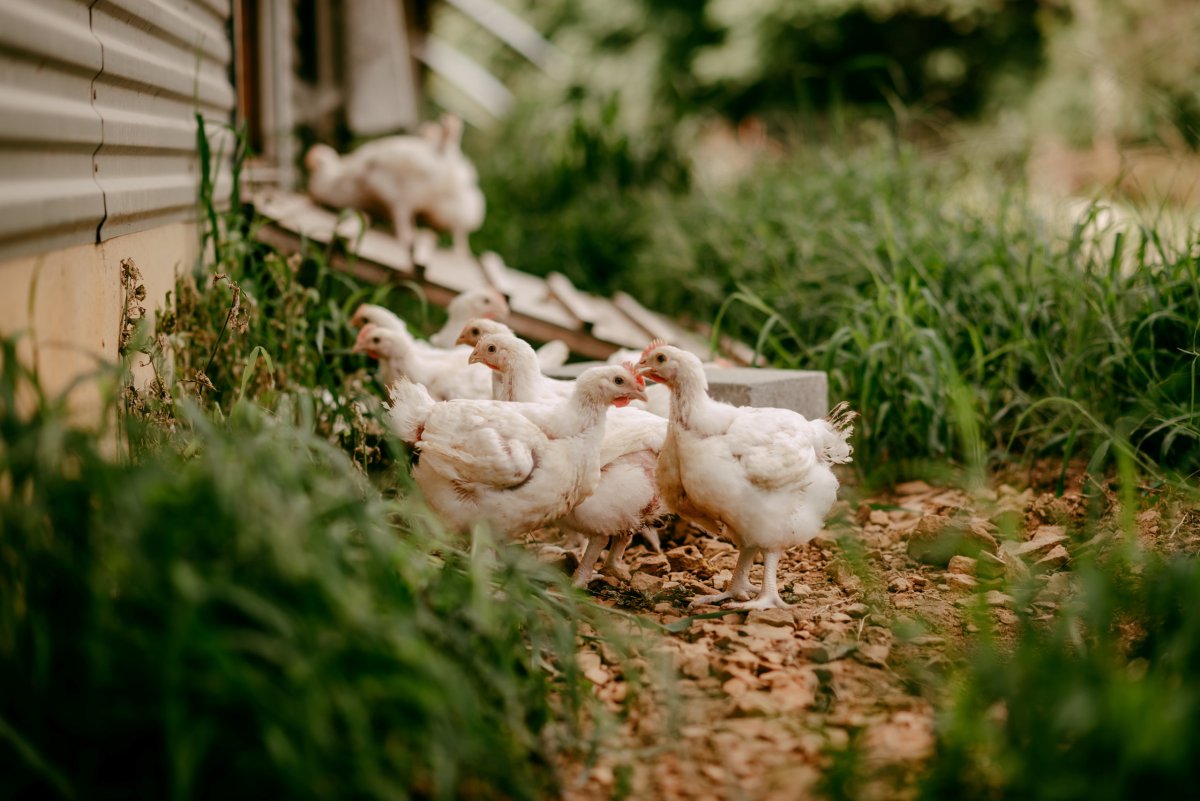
(803,391)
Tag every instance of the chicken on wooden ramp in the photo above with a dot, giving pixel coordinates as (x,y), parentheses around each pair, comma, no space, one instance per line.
(513,466)
(626,499)
(403,176)
(761,477)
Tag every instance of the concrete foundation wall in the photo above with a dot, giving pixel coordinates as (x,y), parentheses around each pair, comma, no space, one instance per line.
(68,304)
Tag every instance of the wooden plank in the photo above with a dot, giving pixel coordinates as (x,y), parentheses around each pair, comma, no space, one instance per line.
(565,293)
(531,297)
(540,310)
(496,272)
(659,327)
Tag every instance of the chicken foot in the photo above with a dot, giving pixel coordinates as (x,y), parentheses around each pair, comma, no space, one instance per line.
(740,587)
(768,597)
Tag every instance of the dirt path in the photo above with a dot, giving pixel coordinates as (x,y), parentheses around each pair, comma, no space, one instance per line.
(764,697)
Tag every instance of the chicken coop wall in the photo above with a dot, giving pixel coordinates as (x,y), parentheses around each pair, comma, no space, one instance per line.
(99,163)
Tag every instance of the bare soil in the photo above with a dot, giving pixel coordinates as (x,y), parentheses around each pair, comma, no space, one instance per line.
(764,700)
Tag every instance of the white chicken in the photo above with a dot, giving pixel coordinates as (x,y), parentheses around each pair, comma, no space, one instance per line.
(404,176)
(550,355)
(446,374)
(476,304)
(626,499)
(485,303)
(761,476)
(515,373)
(515,466)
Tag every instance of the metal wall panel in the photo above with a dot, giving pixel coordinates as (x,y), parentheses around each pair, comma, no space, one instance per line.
(97,115)
(49,129)
(164,60)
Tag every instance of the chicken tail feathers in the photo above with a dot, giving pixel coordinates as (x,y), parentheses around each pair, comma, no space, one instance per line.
(835,446)
(411,405)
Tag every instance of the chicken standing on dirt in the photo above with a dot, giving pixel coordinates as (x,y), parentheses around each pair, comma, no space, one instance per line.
(446,374)
(626,499)
(514,466)
(761,476)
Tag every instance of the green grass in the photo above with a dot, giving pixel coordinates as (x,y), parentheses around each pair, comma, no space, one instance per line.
(922,285)
(1103,703)
(249,599)
(238,611)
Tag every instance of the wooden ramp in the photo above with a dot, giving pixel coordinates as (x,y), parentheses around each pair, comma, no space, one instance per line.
(541,309)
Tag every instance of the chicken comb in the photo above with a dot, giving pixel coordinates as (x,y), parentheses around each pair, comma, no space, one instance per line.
(656,343)
(637,379)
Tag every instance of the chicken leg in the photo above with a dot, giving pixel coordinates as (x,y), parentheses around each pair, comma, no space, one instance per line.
(587,564)
(739,584)
(768,596)
(614,563)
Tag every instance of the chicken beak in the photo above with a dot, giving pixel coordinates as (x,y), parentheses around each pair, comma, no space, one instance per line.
(637,393)
(475,357)
(462,339)
(645,371)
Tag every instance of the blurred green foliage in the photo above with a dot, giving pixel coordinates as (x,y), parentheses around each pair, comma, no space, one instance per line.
(567,196)
(238,612)
(895,274)
(231,607)
(1101,703)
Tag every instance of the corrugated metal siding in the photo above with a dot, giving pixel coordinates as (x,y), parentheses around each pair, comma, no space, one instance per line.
(48,127)
(97,105)
(163,61)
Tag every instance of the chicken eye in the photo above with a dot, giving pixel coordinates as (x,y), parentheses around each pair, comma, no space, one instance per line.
(475,332)
(619,381)
(661,358)
(491,348)
(374,340)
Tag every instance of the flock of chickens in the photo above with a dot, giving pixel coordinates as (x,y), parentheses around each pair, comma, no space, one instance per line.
(607,455)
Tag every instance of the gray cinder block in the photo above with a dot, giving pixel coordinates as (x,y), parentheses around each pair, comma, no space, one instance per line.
(803,391)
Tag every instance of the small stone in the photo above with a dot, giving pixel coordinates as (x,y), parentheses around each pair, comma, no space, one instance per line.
(936,538)
(879,517)
(997,598)
(873,654)
(962,565)
(899,584)
(664,608)
(598,676)
(1056,559)
(686,558)
(961,583)
(772,617)
(655,564)
(646,583)
(695,666)
(813,652)
(912,488)
(754,704)
(857,610)
(768,631)
(840,617)
(801,590)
